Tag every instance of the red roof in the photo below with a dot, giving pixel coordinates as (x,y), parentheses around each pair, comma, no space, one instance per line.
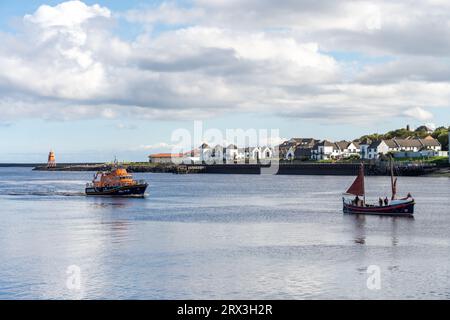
(194,153)
(165,155)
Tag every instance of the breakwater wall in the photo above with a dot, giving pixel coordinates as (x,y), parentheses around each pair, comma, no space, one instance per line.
(73,167)
(94,167)
(19,165)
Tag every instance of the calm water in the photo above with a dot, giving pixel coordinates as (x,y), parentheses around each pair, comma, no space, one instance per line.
(218,237)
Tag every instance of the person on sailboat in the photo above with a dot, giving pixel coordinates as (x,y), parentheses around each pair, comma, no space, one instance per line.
(408,196)
(380,202)
(386,201)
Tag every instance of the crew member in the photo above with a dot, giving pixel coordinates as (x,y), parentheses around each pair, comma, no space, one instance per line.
(357,201)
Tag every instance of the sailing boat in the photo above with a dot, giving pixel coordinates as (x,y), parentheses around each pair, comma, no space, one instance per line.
(394,207)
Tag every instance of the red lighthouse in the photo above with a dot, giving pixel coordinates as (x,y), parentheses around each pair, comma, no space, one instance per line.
(51,163)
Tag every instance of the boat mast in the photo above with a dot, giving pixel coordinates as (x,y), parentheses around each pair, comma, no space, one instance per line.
(364,188)
(393,182)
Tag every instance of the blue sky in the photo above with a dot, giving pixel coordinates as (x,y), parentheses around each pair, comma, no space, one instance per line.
(94,82)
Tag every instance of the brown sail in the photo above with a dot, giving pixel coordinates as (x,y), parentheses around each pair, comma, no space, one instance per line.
(357,188)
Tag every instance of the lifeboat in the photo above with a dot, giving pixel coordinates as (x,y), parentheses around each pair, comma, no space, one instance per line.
(116,182)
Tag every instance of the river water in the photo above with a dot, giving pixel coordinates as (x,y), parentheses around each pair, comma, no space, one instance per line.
(219,237)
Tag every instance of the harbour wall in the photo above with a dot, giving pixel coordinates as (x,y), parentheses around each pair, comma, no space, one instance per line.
(333,169)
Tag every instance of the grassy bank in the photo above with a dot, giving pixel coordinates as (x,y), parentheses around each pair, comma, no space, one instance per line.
(435,160)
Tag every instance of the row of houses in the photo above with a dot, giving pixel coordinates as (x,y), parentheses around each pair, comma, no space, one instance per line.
(414,147)
(218,155)
(311,149)
(307,149)
(234,154)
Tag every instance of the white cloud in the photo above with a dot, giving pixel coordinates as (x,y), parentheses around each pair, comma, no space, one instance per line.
(386,27)
(66,62)
(419,114)
(157,146)
(67,14)
(431,125)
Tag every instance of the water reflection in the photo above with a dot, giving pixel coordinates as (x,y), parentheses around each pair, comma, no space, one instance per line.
(360,228)
(359,222)
(103,202)
(118,230)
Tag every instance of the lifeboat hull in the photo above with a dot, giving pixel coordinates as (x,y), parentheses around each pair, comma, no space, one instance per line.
(137,190)
(401,209)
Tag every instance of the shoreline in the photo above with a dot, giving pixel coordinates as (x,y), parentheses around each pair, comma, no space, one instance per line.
(342,169)
(441,172)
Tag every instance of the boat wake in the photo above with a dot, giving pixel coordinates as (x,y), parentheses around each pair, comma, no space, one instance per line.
(47,194)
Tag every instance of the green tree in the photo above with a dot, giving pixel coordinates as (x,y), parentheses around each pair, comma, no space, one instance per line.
(373,137)
(441,134)
(399,133)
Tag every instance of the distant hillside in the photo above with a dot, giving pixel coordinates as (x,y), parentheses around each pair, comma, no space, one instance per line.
(441,134)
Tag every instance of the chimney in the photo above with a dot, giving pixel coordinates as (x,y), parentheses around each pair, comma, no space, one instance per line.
(408,128)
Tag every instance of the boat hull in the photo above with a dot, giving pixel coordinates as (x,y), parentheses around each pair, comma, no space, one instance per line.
(401,209)
(137,190)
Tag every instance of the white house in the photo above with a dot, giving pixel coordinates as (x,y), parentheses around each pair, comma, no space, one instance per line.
(231,154)
(254,153)
(218,155)
(324,150)
(353,149)
(376,148)
(431,144)
(266,152)
(346,149)
(206,153)
(413,145)
(364,148)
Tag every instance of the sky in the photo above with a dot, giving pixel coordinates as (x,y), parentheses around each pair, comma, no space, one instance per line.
(97,79)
